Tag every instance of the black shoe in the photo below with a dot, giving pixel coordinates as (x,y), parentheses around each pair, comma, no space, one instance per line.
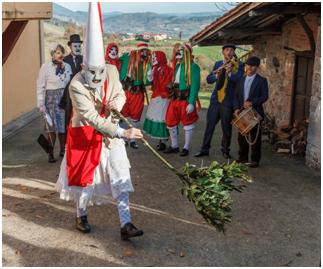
(201,154)
(126,143)
(129,230)
(82,224)
(226,155)
(171,150)
(51,158)
(161,146)
(254,165)
(134,144)
(184,152)
(61,154)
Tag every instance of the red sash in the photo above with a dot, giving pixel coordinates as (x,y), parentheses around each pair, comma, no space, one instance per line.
(83,150)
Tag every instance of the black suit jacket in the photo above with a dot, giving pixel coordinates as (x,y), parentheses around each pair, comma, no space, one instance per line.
(257,96)
(78,60)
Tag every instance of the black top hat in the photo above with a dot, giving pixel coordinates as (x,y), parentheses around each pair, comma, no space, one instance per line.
(228,46)
(74,39)
(253,60)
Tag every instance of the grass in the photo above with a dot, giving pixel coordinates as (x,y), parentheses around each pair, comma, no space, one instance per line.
(205,98)
(213,53)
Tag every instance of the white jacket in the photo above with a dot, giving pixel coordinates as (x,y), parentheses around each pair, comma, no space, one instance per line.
(47,80)
(87,103)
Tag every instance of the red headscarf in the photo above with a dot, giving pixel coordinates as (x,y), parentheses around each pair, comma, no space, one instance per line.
(162,76)
(109,60)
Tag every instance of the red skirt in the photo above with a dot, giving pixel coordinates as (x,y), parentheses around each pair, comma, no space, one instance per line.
(176,113)
(134,105)
(83,150)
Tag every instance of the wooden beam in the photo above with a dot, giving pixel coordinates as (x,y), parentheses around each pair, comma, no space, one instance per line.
(308,32)
(297,9)
(229,17)
(220,42)
(10,37)
(250,31)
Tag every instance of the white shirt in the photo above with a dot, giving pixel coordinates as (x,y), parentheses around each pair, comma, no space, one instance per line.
(247,85)
(48,80)
(178,73)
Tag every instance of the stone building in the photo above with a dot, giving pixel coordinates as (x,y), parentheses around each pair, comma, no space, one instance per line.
(286,36)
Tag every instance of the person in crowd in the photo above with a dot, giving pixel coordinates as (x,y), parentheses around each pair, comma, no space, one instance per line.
(251,91)
(74,59)
(225,74)
(161,77)
(112,55)
(95,166)
(52,79)
(134,77)
(184,95)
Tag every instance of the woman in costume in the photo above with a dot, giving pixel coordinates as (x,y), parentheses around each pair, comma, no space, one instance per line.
(161,77)
(52,79)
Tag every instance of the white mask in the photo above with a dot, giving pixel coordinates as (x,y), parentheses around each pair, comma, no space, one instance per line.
(76,48)
(95,76)
(179,54)
(113,53)
(154,60)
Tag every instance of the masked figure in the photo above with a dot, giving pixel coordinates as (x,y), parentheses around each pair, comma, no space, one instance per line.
(161,77)
(95,165)
(111,55)
(74,59)
(134,76)
(185,88)
(52,80)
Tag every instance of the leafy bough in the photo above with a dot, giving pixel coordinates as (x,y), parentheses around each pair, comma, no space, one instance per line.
(208,188)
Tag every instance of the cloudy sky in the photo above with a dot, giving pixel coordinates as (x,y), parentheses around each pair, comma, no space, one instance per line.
(158,7)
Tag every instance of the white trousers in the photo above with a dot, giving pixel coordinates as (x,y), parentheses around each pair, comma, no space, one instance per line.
(122,205)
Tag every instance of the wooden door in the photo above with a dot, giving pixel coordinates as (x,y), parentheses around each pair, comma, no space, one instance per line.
(303,86)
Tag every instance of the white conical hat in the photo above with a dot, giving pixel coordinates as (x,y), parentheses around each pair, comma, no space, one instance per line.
(93,43)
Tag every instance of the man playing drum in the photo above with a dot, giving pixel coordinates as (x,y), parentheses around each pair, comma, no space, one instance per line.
(252,91)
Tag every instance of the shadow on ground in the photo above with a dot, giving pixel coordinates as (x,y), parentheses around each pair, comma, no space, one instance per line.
(276,220)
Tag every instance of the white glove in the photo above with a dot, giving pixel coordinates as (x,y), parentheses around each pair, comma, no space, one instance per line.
(189,108)
(132,133)
(111,105)
(119,133)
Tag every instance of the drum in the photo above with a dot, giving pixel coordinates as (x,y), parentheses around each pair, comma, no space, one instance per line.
(246,120)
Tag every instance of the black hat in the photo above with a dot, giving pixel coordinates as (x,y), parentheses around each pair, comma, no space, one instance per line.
(253,60)
(74,39)
(229,46)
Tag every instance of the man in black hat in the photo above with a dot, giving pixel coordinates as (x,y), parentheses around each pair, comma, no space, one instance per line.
(221,103)
(251,91)
(74,59)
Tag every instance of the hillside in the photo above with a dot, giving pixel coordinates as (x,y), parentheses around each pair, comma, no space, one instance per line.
(117,22)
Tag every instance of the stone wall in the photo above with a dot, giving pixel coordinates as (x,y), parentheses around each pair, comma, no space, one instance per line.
(313,149)
(281,79)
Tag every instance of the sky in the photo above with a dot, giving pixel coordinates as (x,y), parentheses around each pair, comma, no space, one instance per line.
(158,7)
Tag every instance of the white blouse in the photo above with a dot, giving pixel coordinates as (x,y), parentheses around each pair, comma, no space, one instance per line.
(48,80)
